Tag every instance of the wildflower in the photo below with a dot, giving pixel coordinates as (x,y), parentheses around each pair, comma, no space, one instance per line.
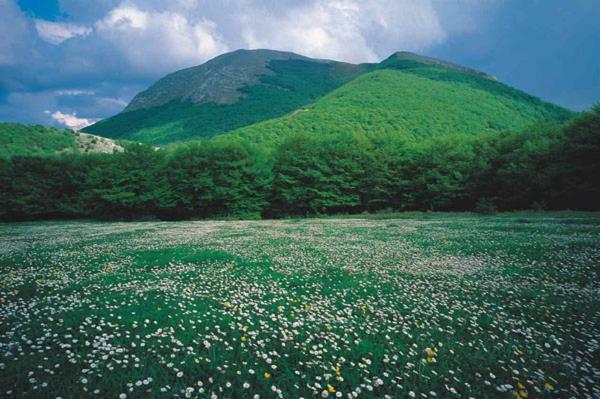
(267,375)
(548,386)
(430,352)
(330,389)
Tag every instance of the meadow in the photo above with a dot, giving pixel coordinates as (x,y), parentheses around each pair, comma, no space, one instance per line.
(408,305)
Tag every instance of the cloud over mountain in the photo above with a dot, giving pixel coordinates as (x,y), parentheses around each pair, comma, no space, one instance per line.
(117,47)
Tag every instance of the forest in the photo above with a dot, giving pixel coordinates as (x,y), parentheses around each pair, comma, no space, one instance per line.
(546,166)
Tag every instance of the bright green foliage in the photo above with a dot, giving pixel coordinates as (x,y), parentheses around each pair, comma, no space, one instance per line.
(544,166)
(17,139)
(128,185)
(404,94)
(293,84)
(312,175)
(422,103)
(215,178)
(441,171)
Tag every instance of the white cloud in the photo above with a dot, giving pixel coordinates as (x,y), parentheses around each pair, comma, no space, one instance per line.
(328,30)
(123,18)
(71,120)
(113,101)
(152,41)
(107,45)
(347,30)
(58,32)
(75,92)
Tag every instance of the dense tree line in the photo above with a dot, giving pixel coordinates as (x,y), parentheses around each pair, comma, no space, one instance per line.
(545,166)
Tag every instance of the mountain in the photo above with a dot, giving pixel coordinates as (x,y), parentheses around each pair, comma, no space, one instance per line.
(230,91)
(415,100)
(266,92)
(406,60)
(23,140)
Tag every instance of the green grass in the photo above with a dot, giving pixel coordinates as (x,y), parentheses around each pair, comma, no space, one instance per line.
(17,139)
(422,303)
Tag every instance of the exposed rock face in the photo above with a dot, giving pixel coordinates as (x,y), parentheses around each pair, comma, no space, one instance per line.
(217,80)
(89,143)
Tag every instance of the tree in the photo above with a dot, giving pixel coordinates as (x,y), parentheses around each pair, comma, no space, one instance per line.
(129,184)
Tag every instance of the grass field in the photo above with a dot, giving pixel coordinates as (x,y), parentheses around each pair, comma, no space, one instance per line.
(431,306)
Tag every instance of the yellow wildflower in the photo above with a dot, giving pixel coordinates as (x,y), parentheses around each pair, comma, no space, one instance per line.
(267,375)
(430,352)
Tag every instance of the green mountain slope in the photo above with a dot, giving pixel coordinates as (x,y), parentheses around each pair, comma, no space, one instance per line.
(264,93)
(233,90)
(23,140)
(414,100)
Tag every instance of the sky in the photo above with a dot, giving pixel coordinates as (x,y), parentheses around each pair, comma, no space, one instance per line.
(72,62)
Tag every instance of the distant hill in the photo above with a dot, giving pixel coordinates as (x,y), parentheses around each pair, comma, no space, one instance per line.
(230,91)
(417,101)
(23,140)
(265,92)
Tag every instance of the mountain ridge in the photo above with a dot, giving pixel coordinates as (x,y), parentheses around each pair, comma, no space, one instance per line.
(247,87)
(204,87)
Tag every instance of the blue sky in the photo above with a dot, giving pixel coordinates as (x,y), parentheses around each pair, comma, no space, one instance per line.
(71,62)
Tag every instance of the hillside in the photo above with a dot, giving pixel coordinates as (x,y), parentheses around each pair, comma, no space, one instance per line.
(418,102)
(248,90)
(23,140)
(233,90)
